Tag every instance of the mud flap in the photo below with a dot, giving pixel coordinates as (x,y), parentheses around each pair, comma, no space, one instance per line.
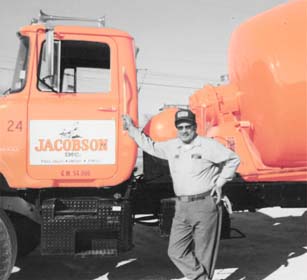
(216,241)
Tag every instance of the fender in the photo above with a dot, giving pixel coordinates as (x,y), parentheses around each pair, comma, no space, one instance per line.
(6,173)
(20,206)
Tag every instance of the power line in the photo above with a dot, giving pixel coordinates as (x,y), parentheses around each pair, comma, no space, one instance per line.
(156,84)
(169,85)
(176,76)
(6,68)
(163,78)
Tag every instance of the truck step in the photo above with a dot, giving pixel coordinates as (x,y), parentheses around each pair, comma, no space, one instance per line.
(85,226)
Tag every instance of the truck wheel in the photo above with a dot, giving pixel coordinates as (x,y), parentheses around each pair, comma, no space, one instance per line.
(27,232)
(8,246)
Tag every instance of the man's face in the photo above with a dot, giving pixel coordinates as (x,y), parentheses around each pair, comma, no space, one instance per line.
(186,132)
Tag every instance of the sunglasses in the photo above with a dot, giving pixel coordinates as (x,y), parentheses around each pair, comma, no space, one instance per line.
(186,127)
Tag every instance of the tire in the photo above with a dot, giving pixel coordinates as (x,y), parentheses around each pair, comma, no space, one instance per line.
(27,232)
(8,246)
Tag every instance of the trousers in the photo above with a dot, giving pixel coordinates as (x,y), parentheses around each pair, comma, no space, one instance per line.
(194,237)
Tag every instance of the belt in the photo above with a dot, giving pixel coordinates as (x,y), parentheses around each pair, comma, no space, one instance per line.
(189,198)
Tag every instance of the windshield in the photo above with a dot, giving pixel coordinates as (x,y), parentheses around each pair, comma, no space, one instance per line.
(19,78)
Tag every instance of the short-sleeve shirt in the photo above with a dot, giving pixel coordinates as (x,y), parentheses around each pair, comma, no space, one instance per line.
(194,167)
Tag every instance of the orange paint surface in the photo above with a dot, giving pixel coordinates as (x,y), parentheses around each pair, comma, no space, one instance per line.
(33,157)
(262,112)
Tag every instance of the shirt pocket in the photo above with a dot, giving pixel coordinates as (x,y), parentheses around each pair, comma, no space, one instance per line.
(199,163)
(174,163)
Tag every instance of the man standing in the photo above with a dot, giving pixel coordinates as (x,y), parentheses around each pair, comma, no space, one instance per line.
(199,167)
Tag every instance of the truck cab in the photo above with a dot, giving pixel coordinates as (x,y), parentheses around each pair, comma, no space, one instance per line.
(61,120)
(66,164)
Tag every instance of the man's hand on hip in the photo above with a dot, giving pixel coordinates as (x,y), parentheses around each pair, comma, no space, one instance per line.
(217,192)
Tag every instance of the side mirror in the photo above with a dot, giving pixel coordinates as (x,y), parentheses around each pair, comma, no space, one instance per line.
(52,59)
(49,54)
(137,51)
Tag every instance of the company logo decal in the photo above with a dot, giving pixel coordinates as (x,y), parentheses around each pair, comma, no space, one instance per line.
(72,142)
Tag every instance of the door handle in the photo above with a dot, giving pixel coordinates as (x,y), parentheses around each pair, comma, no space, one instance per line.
(107,109)
(126,92)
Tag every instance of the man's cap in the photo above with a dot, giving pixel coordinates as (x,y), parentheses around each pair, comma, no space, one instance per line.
(184,115)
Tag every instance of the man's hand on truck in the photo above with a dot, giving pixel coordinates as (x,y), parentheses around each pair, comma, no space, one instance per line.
(127,122)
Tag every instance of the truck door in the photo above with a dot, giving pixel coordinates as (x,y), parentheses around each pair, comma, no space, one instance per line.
(74,115)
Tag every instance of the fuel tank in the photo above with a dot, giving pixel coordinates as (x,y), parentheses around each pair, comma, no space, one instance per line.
(161,127)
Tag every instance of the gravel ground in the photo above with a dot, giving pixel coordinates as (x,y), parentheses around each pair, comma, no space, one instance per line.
(267,245)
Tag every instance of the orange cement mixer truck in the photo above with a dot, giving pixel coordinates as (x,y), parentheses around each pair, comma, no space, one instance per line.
(261,113)
(67,166)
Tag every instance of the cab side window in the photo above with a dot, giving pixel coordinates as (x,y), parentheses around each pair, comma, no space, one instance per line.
(19,78)
(80,67)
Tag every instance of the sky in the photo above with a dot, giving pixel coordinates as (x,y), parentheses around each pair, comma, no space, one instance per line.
(183,44)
